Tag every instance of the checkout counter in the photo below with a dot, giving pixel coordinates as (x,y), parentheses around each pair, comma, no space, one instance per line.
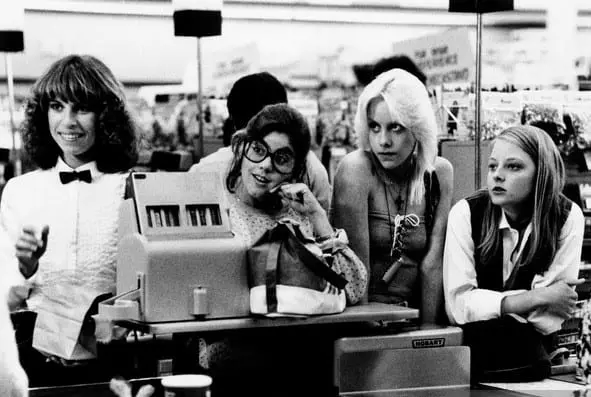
(181,272)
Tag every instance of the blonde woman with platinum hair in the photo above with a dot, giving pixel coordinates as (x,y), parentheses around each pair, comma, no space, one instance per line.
(408,102)
(393,194)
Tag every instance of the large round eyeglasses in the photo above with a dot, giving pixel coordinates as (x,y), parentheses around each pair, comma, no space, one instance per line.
(283,159)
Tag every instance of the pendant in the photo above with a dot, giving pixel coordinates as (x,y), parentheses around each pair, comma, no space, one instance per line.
(395,252)
(399,201)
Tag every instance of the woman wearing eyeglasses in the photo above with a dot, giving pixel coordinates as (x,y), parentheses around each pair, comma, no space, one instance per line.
(264,184)
(266,174)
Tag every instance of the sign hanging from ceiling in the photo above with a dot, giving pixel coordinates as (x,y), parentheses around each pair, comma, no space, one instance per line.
(445,58)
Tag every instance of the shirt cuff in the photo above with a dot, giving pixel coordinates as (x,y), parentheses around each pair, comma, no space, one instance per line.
(19,288)
(483,305)
(514,292)
(333,242)
(545,322)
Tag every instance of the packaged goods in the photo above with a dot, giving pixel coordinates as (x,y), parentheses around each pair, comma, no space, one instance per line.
(500,111)
(459,114)
(579,117)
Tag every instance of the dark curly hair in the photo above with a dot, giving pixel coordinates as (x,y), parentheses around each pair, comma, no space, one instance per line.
(85,80)
(272,118)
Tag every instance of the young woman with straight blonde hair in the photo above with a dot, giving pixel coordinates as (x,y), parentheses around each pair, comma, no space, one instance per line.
(392,196)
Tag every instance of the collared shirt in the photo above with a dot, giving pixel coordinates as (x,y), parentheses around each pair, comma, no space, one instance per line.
(465,302)
(82,219)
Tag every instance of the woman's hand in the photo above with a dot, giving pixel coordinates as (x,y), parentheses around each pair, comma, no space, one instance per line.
(121,388)
(30,246)
(299,197)
(560,297)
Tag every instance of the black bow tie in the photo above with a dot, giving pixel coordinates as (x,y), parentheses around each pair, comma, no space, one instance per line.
(67,177)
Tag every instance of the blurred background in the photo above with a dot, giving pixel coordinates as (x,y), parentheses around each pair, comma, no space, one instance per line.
(535,68)
(322,50)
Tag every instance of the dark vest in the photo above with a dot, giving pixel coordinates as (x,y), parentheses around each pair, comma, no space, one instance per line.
(490,275)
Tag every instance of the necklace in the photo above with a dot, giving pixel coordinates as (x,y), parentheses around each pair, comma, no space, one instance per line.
(396,235)
(400,203)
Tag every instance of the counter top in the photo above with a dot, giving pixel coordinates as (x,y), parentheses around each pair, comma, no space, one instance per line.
(546,388)
(361,313)
(543,388)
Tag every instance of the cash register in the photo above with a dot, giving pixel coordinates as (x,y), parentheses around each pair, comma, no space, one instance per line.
(179,266)
(180,269)
(177,257)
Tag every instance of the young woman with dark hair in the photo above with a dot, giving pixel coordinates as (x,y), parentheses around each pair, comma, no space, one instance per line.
(86,83)
(58,223)
(248,95)
(264,184)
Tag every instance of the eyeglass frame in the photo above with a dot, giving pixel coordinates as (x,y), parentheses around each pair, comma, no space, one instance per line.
(268,154)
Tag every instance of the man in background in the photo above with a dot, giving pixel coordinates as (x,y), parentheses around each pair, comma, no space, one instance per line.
(399,62)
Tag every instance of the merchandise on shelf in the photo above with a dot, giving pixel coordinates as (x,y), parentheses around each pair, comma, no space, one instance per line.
(580,119)
(501,110)
(457,114)
(564,115)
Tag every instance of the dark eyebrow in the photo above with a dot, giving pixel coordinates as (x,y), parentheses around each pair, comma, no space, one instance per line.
(284,149)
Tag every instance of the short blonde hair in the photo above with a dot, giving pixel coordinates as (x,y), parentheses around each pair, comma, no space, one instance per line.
(409,104)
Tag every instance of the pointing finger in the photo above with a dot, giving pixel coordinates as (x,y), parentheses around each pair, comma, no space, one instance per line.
(576,282)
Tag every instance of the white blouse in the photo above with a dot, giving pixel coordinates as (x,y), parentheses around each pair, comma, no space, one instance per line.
(82,240)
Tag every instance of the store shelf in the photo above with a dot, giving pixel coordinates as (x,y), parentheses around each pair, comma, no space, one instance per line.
(574,176)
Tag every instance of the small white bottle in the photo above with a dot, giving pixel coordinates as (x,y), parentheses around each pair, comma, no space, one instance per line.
(187,386)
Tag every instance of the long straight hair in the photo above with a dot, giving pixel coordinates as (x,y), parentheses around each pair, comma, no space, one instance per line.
(546,198)
(409,104)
